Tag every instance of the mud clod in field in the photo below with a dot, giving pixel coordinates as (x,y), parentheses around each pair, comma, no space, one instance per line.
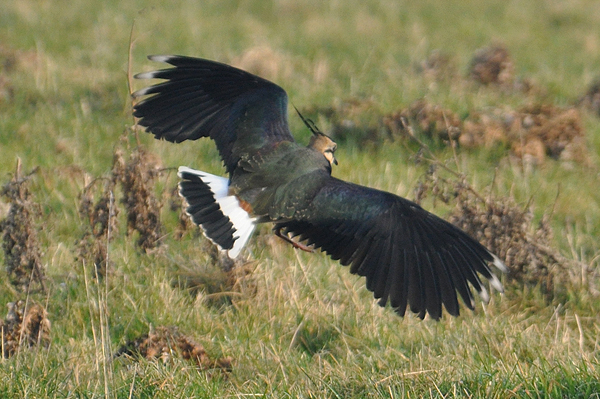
(485,129)
(137,177)
(166,343)
(22,250)
(543,130)
(24,328)
(492,65)
(533,133)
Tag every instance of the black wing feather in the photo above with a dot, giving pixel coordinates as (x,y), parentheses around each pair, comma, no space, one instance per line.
(241,112)
(205,212)
(409,256)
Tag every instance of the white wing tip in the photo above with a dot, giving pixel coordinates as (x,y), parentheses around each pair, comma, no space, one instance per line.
(235,251)
(496,284)
(499,264)
(161,58)
(145,75)
(494,281)
(245,226)
(141,92)
(151,74)
(485,296)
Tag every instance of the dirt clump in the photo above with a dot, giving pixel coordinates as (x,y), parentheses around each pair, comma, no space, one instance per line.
(484,130)
(24,327)
(492,65)
(166,343)
(543,130)
(533,133)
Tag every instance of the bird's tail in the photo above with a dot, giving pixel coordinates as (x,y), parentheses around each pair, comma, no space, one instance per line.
(210,206)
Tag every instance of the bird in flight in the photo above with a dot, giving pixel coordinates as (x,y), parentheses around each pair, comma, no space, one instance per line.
(409,257)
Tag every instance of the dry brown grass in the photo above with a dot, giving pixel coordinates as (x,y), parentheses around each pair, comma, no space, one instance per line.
(136,177)
(22,250)
(101,215)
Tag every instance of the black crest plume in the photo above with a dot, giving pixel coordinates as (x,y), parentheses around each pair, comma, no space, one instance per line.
(310,124)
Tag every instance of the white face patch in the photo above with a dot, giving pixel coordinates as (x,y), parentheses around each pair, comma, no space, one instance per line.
(329,156)
(325,146)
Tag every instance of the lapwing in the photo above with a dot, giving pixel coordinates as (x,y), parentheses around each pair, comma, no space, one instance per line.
(410,257)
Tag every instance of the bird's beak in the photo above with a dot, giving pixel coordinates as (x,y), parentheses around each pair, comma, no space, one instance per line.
(335,162)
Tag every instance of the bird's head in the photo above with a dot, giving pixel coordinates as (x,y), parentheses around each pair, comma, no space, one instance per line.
(320,141)
(323,144)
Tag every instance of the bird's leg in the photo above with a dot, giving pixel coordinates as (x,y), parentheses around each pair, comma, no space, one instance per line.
(299,245)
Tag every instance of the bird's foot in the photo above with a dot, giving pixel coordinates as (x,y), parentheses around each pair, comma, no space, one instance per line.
(295,244)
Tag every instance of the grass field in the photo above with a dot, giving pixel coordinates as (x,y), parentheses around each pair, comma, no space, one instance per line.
(293,324)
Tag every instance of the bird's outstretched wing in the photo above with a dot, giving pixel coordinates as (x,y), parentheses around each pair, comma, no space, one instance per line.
(408,255)
(241,112)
